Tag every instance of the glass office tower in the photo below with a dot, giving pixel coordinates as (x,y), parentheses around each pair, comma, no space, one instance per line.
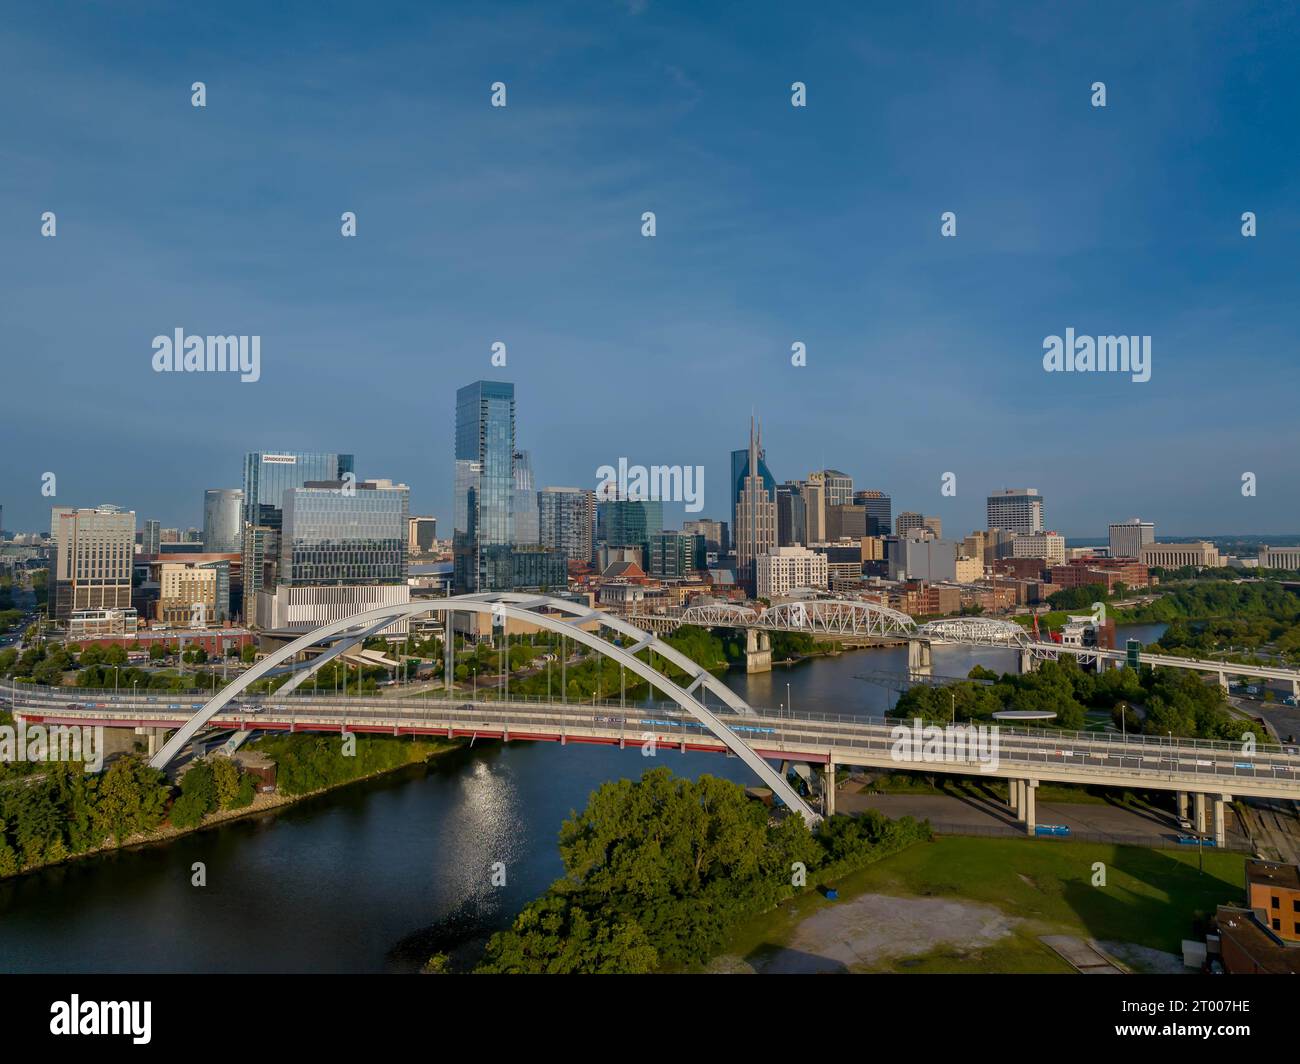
(330,537)
(267,476)
(483,531)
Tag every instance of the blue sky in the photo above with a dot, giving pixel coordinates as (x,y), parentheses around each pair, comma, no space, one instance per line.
(775,225)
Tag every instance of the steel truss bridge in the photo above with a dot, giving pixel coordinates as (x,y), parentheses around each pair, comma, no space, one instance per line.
(856,619)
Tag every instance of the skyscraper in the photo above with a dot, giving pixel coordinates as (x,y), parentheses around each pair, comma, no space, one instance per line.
(791,515)
(483,528)
(839,486)
(524,502)
(630,522)
(755,511)
(740,470)
(222,520)
(1018,510)
(567,521)
(879,511)
(151,541)
(267,476)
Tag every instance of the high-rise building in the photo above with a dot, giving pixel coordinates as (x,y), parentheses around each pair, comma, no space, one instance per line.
(814,498)
(567,522)
(524,502)
(1018,510)
(755,512)
(539,568)
(847,521)
(907,521)
(151,543)
(716,540)
(783,569)
(918,555)
(267,476)
(675,554)
(629,522)
(791,515)
(1129,537)
(223,520)
(740,470)
(483,529)
(879,508)
(334,534)
(839,486)
(91,557)
(421,534)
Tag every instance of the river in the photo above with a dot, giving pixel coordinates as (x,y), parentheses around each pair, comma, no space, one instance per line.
(376,876)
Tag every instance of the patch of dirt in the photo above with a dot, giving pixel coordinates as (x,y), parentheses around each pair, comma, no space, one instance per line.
(872,930)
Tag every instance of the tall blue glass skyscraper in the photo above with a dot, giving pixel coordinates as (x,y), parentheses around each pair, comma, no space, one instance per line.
(483,531)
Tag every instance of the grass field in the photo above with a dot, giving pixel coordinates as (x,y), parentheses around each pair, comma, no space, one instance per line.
(1150,898)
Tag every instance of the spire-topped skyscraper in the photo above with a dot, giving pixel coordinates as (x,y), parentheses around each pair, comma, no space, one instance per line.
(755,507)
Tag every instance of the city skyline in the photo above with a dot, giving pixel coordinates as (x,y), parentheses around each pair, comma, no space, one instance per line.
(775,226)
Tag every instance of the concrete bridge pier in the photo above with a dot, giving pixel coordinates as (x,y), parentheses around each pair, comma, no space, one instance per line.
(1220,809)
(828,789)
(1027,662)
(920,657)
(1295,690)
(1182,805)
(1028,810)
(1198,819)
(154,738)
(758,651)
(1223,680)
(1014,796)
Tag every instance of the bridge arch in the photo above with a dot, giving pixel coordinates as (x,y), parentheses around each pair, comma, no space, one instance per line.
(349,630)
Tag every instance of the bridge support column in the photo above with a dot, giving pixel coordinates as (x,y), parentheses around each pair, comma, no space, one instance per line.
(758,651)
(920,657)
(1295,690)
(1198,820)
(1182,805)
(828,789)
(1220,808)
(1223,680)
(1029,815)
(1013,796)
(1026,662)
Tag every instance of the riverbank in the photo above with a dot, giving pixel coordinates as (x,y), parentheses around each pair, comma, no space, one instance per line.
(262,804)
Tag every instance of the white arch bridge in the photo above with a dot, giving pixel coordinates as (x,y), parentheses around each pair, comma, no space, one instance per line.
(565,618)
